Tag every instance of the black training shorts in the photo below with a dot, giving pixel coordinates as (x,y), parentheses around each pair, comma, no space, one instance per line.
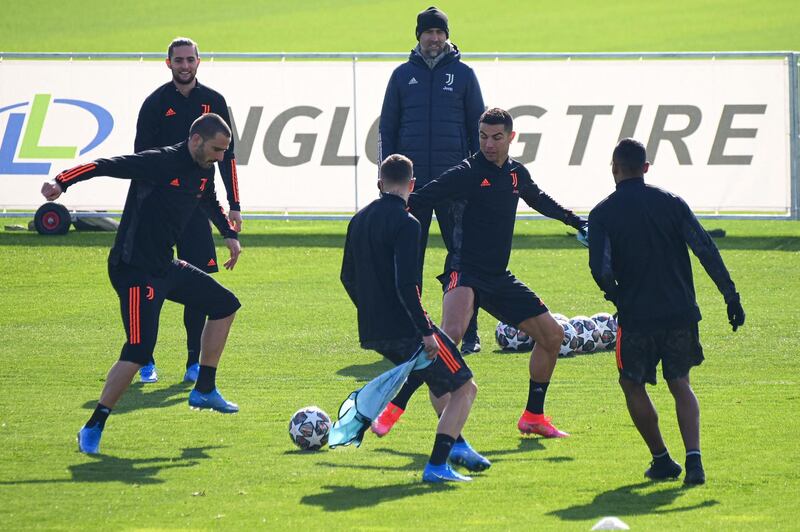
(447,373)
(141,296)
(196,245)
(639,352)
(503,296)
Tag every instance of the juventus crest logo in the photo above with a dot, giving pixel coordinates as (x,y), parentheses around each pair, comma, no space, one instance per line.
(449,80)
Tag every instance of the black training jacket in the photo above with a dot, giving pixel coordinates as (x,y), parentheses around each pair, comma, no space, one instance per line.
(167,186)
(638,256)
(380,271)
(484,211)
(165,118)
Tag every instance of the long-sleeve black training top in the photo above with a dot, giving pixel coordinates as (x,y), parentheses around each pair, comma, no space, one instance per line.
(638,256)
(484,211)
(380,271)
(165,118)
(167,185)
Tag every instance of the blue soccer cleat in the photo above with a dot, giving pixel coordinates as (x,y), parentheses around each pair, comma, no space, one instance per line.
(148,373)
(464,455)
(442,473)
(192,372)
(212,400)
(89,439)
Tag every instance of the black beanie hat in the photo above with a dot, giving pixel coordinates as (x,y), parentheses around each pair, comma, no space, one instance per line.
(432,18)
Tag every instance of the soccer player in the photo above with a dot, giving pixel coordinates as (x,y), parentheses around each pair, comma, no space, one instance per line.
(380,274)
(485,190)
(430,114)
(164,119)
(167,186)
(638,257)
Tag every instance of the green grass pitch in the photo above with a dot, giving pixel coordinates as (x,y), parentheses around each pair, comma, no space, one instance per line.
(294,343)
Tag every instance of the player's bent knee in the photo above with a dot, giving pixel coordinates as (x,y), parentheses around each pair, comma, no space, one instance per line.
(137,353)
(226,309)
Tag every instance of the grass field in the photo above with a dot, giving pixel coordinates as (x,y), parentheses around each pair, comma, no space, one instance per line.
(387,25)
(294,343)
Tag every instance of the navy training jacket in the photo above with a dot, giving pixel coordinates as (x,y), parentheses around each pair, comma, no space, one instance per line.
(431,115)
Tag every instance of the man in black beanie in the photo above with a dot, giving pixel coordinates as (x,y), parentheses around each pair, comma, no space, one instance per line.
(430,114)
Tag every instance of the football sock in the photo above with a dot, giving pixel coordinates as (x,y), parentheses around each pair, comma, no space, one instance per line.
(411,385)
(441,449)
(662,457)
(193,321)
(460,439)
(206,380)
(693,458)
(536,394)
(99,416)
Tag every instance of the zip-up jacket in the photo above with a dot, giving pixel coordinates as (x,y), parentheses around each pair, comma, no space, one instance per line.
(638,256)
(380,273)
(167,185)
(431,115)
(484,211)
(165,118)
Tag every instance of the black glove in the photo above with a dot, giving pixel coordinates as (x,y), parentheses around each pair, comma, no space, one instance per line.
(735,312)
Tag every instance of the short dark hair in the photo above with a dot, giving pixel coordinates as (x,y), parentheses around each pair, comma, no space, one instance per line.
(630,155)
(495,116)
(182,41)
(397,169)
(208,125)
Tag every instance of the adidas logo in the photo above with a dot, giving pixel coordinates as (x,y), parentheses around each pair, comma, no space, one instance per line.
(413,81)
(175,182)
(485,183)
(170,112)
(212,262)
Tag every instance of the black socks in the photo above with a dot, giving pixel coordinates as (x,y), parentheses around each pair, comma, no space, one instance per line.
(411,385)
(99,416)
(206,380)
(193,321)
(536,394)
(441,449)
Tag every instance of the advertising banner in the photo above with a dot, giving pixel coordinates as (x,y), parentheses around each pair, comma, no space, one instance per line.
(305,132)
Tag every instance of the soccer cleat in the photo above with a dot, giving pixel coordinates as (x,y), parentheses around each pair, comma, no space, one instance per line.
(539,424)
(694,476)
(192,372)
(386,420)
(442,473)
(212,400)
(89,439)
(470,345)
(663,469)
(148,373)
(463,454)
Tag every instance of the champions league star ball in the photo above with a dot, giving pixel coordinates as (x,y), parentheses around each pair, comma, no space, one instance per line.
(309,428)
(586,329)
(559,317)
(607,326)
(512,339)
(571,341)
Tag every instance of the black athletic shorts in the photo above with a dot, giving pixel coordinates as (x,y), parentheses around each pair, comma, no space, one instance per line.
(446,374)
(141,296)
(638,353)
(196,245)
(503,296)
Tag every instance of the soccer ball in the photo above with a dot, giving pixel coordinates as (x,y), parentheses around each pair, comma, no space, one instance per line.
(571,341)
(559,317)
(309,428)
(587,329)
(510,338)
(607,326)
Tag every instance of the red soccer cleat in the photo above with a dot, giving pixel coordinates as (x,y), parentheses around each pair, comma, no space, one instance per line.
(386,420)
(539,424)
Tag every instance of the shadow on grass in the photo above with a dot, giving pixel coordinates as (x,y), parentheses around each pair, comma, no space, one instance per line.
(106,468)
(343,498)
(336,241)
(135,397)
(366,372)
(632,500)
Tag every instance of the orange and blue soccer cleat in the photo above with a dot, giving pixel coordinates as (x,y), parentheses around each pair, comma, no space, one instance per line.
(540,424)
(386,420)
